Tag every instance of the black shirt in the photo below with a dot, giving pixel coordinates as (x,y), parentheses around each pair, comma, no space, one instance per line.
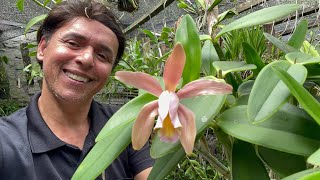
(30,150)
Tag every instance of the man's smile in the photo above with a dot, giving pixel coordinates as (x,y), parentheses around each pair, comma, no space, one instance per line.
(77,77)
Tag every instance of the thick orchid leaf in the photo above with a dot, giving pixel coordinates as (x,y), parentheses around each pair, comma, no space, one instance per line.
(103,153)
(187,35)
(284,164)
(307,48)
(164,165)
(314,159)
(242,100)
(34,21)
(20,5)
(226,67)
(214,4)
(311,176)
(301,174)
(306,100)
(204,37)
(269,92)
(280,44)
(203,118)
(125,115)
(299,34)
(252,57)
(246,165)
(259,17)
(209,55)
(226,15)
(245,88)
(202,3)
(301,58)
(289,130)
(219,51)
(313,71)
(112,140)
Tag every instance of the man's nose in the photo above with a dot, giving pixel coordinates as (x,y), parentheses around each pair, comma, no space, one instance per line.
(86,57)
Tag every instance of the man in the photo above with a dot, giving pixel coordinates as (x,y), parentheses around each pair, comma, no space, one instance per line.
(78,44)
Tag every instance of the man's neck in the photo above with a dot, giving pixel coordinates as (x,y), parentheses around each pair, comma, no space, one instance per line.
(68,121)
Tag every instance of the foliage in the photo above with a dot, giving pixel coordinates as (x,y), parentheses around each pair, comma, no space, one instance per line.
(8,106)
(34,71)
(269,123)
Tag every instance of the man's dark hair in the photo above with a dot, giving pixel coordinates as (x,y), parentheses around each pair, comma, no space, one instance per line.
(71,9)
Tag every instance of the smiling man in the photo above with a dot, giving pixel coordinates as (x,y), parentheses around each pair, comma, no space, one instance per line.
(78,45)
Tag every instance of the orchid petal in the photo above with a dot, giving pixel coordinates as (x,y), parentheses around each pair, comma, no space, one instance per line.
(164,104)
(174,67)
(173,108)
(188,130)
(168,133)
(142,128)
(140,80)
(204,87)
(176,122)
(159,123)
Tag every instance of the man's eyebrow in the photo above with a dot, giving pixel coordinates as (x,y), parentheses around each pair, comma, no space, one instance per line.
(75,35)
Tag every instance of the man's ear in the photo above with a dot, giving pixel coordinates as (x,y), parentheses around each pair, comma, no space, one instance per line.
(41,48)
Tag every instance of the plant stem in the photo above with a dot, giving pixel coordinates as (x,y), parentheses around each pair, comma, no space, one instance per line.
(42,5)
(214,162)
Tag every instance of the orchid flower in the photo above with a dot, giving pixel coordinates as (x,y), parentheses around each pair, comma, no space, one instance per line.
(174,119)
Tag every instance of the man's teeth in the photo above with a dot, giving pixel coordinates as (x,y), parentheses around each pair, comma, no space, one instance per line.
(76,77)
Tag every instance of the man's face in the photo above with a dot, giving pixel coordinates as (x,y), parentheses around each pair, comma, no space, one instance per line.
(77,59)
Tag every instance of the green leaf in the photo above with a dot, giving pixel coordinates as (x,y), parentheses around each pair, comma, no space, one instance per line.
(301,58)
(299,35)
(30,45)
(245,163)
(214,4)
(314,159)
(269,92)
(259,17)
(20,5)
(252,57)
(306,100)
(279,44)
(202,3)
(301,174)
(307,48)
(209,55)
(284,164)
(46,2)
(187,35)
(125,115)
(226,67)
(103,153)
(112,139)
(289,130)
(204,37)
(203,117)
(226,15)
(312,176)
(313,70)
(219,51)
(34,21)
(245,88)
(164,165)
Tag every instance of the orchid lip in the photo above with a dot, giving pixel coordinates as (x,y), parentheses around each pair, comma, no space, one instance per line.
(77,77)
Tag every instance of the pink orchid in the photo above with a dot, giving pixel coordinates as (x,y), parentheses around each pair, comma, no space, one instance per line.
(174,119)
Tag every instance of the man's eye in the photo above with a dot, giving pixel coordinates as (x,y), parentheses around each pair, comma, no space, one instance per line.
(73,44)
(104,58)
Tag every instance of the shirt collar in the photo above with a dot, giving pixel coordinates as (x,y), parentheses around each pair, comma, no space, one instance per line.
(40,136)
